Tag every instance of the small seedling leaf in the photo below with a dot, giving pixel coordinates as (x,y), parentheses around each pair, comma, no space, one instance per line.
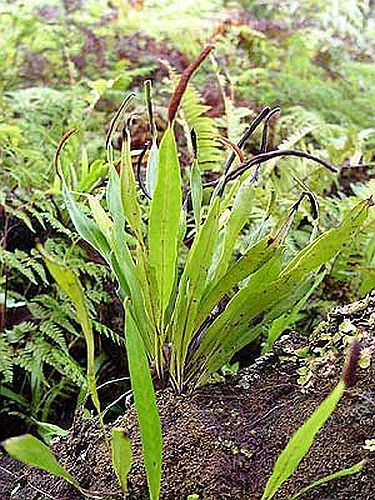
(121,456)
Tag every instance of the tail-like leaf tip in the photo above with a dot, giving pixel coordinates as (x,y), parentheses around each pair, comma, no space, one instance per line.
(349,373)
(116,118)
(193,136)
(184,80)
(66,136)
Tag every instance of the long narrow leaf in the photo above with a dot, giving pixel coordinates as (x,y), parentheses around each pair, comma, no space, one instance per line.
(220,339)
(85,227)
(249,263)
(69,283)
(239,215)
(192,285)
(301,442)
(329,243)
(252,260)
(326,479)
(145,404)
(165,218)
(130,271)
(232,322)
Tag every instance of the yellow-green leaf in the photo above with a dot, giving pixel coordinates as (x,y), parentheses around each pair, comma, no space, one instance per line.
(165,218)
(145,403)
(301,442)
(31,451)
(69,283)
(121,456)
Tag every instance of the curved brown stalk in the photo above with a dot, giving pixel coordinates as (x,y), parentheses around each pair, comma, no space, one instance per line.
(247,134)
(64,139)
(138,170)
(270,155)
(184,80)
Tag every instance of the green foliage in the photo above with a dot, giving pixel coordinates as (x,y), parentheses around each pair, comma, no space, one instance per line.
(200,288)
(301,442)
(145,404)
(164,220)
(121,456)
(68,282)
(31,451)
(176,300)
(40,345)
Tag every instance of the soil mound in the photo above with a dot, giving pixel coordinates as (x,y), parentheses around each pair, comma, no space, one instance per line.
(222,441)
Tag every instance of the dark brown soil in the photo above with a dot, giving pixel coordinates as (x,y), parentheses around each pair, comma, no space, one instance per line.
(222,441)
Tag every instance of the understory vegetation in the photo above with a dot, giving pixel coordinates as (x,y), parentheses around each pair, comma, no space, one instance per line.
(181,184)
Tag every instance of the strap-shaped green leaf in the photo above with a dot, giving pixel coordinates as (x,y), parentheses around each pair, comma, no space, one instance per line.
(130,271)
(121,456)
(252,260)
(165,218)
(284,321)
(330,477)
(328,244)
(301,442)
(145,403)
(31,451)
(85,227)
(239,215)
(69,283)
(229,325)
(90,232)
(101,217)
(192,285)
(196,192)
(221,338)
(129,197)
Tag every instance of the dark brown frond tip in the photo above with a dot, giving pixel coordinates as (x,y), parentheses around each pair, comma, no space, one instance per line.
(64,139)
(184,80)
(194,142)
(348,375)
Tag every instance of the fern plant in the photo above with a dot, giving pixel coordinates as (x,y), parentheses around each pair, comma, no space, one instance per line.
(177,306)
(40,333)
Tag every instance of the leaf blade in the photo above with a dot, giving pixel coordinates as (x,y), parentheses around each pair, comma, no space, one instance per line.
(121,456)
(69,283)
(145,404)
(301,441)
(164,220)
(31,451)
(340,473)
